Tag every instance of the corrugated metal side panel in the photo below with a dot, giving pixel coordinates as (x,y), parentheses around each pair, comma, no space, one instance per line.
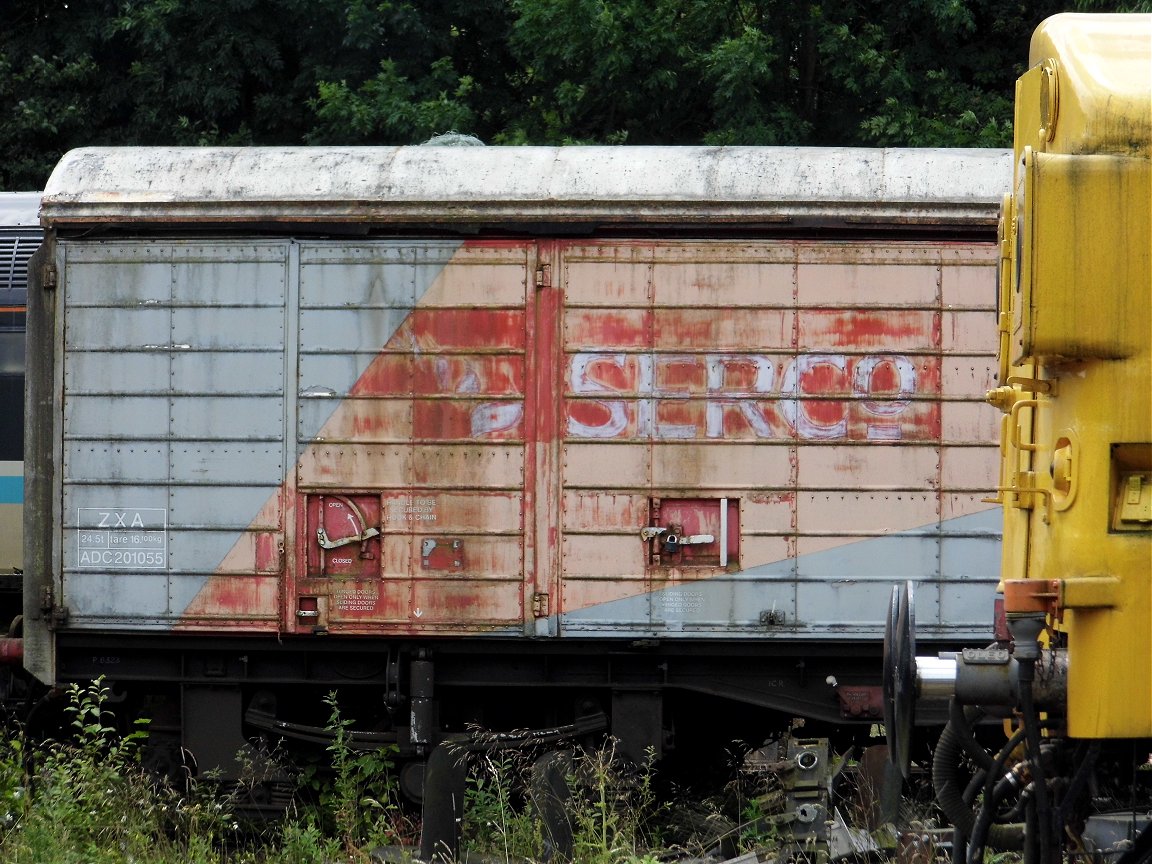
(834,391)
(173,417)
(413,374)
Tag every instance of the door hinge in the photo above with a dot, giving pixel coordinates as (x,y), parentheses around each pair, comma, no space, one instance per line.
(54,616)
(540,605)
(544,276)
(48,277)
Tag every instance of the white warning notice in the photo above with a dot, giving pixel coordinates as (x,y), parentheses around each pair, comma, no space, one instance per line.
(134,538)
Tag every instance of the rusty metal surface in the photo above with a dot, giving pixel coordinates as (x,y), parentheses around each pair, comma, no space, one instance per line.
(442,437)
(519,184)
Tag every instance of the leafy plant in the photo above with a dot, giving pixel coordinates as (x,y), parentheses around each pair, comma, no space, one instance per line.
(360,796)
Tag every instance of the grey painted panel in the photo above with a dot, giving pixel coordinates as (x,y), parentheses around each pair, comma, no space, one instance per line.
(115,464)
(234,507)
(138,252)
(881,559)
(726,604)
(246,418)
(109,283)
(101,497)
(223,372)
(117,329)
(235,283)
(369,285)
(857,608)
(970,558)
(228,328)
(232,463)
(352,330)
(378,251)
(116,596)
(117,417)
(959,602)
(109,372)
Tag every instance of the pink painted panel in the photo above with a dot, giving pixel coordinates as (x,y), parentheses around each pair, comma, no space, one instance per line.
(597,466)
(452,603)
(847,513)
(614,282)
(476,374)
(703,329)
(863,467)
(504,283)
(461,466)
(965,332)
(956,504)
(765,549)
(969,423)
(724,284)
(727,466)
(968,376)
(969,467)
(888,331)
(232,601)
(604,556)
(773,512)
(579,593)
(867,283)
(434,330)
(480,557)
(970,286)
(603,512)
(603,330)
(451,511)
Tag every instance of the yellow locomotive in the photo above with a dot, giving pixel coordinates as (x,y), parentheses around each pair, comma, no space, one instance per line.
(1074,671)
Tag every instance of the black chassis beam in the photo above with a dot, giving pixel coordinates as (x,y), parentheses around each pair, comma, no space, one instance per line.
(787,676)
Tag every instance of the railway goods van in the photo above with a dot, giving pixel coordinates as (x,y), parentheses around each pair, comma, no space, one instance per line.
(568,440)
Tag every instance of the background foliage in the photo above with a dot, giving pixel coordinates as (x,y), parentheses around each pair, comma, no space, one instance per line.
(235,72)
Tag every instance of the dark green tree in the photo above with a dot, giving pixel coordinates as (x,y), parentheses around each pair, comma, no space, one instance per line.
(855,72)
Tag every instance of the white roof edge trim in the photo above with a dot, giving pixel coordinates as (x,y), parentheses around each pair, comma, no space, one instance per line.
(463,184)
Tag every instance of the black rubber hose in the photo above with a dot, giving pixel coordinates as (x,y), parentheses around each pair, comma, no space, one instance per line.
(983,833)
(1032,821)
(951,795)
(1047,828)
(959,838)
(964,718)
(946,780)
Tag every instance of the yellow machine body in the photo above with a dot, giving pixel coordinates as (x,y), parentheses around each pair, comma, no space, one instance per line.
(1076,362)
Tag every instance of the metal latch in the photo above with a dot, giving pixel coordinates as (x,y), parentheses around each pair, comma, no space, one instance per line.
(540,605)
(672,539)
(325,543)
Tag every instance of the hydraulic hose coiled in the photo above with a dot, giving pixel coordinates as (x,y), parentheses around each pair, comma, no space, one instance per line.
(949,784)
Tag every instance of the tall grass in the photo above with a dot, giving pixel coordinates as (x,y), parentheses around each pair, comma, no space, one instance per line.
(86,799)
